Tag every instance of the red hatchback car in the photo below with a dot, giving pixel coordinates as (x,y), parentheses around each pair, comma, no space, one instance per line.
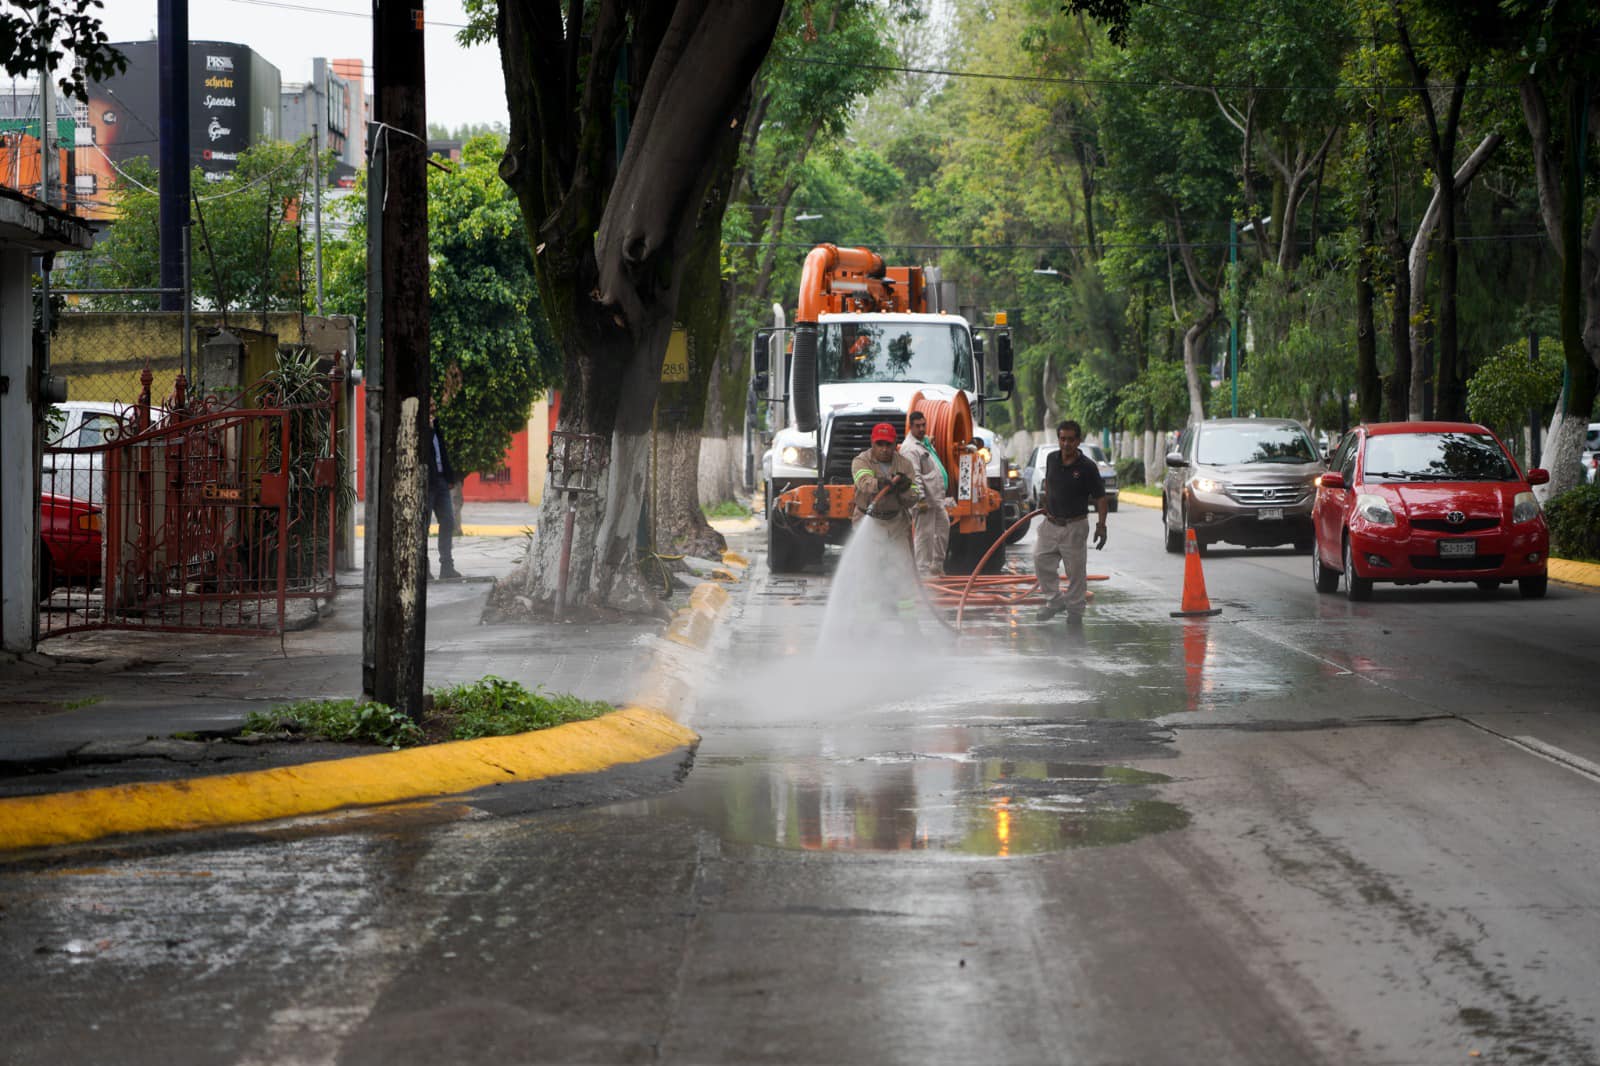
(69,542)
(1410,502)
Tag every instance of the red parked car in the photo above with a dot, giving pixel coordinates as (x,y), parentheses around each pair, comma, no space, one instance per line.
(1410,502)
(69,535)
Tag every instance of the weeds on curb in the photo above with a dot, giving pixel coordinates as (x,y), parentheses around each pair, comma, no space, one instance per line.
(491,707)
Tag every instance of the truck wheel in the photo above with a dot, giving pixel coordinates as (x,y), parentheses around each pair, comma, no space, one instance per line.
(785,552)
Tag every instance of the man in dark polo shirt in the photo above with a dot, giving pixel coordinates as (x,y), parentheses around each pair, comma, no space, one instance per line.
(1071,484)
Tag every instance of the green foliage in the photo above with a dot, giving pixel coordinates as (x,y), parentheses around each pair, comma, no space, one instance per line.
(1574,521)
(726,509)
(490,347)
(495,707)
(1086,398)
(1157,399)
(340,721)
(1507,384)
(44,31)
(1303,360)
(248,250)
(1130,471)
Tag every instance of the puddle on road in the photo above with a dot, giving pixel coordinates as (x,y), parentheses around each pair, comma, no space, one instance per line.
(908,801)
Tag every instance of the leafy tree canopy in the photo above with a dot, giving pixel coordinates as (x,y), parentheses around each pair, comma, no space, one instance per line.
(490,349)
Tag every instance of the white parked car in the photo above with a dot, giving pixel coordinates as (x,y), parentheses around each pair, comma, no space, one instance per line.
(1033,473)
(85,423)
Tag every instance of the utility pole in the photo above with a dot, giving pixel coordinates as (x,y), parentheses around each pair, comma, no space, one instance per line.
(316,204)
(172,74)
(401,575)
(49,179)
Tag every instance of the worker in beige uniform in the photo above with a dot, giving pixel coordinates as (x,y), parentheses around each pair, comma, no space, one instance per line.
(886,485)
(930,521)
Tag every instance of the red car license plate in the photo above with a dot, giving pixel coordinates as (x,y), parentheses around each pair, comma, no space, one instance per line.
(1457,548)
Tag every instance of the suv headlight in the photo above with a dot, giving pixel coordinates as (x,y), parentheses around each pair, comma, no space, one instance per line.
(794,455)
(1374,509)
(1205,484)
(1525,508)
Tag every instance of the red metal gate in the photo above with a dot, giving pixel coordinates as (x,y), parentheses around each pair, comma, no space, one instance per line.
(214,514)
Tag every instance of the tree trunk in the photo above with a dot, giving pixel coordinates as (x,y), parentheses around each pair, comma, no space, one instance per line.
(610,255)
(1193,340)
(1440,214)
(1400,394)
(1368,384)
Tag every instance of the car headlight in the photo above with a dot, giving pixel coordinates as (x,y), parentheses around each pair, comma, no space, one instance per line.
(794,455)
(1012,473)
(1525,508)
(1374,509)
(1205,484)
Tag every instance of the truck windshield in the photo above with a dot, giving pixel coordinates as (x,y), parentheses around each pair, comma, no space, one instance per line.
(895,351)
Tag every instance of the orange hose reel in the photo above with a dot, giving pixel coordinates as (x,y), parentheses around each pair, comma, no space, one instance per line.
(950,427)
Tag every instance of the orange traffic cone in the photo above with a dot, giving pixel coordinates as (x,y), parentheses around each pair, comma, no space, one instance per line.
(1195,604)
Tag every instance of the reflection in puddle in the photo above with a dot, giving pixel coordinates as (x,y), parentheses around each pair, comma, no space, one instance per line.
(912,802)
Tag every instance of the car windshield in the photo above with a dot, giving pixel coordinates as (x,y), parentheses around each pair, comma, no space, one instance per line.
(895,351)
(1232,445)
(1436,457)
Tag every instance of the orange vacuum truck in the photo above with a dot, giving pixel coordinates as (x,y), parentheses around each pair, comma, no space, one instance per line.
(870,343)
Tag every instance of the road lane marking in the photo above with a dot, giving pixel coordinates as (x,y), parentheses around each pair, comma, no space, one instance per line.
(1560,756)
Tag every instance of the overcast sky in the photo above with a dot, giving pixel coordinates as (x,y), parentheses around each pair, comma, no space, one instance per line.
(464,85)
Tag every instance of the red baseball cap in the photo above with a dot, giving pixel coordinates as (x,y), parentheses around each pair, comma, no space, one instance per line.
(884,431)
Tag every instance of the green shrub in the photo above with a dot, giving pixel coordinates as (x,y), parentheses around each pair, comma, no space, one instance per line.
(495,707)
(340,721)
(1130,471)
(1574,520)
(726,509)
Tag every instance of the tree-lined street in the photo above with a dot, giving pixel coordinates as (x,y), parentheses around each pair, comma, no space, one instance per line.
(1302,831)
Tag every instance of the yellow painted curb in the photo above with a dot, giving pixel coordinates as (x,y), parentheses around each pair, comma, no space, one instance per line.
(632,734)
(472,531)
(1139,499)
(1571,572)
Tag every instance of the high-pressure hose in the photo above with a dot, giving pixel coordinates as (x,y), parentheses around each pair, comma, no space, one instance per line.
(999,541)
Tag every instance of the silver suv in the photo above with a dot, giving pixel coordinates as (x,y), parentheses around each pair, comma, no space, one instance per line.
(1248,481)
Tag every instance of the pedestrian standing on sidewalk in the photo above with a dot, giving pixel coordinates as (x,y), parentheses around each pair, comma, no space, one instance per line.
(930,522)
(1072,483)
(441,475)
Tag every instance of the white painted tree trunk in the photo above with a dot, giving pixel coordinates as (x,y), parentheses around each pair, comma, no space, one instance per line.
(1562,448)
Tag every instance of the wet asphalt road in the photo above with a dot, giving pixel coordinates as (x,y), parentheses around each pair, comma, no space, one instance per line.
(1305,831)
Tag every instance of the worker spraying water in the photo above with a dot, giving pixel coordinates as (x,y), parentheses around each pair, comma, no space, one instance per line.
(876,581)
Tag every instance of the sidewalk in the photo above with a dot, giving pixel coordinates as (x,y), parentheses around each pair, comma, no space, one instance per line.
(101,709)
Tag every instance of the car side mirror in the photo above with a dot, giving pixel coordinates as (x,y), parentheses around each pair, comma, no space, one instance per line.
(1008,381)
(1331,480)
(758,385)
(1002,355)
(1176,459)
(1538,476)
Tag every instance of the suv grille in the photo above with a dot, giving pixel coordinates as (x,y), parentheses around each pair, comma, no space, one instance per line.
(850,436)
(1268,495)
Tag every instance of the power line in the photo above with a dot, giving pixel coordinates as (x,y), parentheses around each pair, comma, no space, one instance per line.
(313,9)
(1047,79)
